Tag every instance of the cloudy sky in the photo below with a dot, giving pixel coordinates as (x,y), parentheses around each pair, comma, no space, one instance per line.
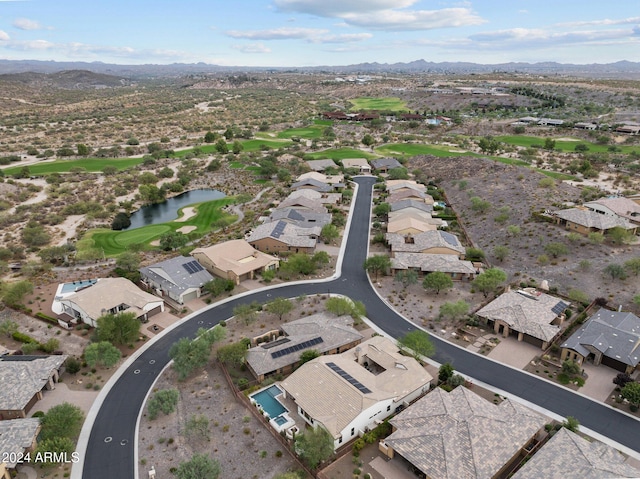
(319,32)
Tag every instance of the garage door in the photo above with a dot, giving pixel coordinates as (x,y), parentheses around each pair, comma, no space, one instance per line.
(189,296)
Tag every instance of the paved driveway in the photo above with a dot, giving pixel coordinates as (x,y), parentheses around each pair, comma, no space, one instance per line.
(514,353)
(599,383)
(83,399)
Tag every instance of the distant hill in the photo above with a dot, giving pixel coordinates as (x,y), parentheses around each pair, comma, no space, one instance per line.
(621,69)
(66,80)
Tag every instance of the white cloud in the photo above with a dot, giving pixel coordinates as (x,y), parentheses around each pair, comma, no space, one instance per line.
(4,36)
(26,24)
(252,48)
(415,19)
(337,8)
(344,38)
(284,33)
(532,37)
(606,21)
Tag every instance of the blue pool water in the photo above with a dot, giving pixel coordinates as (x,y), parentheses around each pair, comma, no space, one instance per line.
(267,400)
(77,285)
(281,420)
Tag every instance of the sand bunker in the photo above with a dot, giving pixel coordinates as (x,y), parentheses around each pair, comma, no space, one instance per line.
(187,213)
(186,229)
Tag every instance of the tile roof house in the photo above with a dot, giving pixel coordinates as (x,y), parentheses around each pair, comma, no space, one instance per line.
(304,202)
(351,392)
(280,353)
(428,242)
(586,221)
(321,165)
(316,196)
(402,185)
(22,380)
(328,179)
(235,260)
(415,214)
(180,278)
(609,337)
(360,164)
(458,434)
(411,204)
(111,295)
(621,207)
(428,263)
(408,194)
(301,218)
(282,236)
(410,225)
(568,454)
(312,184)
(535,316)
(17,437)
(383,165)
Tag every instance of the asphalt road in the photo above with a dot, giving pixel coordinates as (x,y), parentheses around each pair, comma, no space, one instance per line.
(110,450)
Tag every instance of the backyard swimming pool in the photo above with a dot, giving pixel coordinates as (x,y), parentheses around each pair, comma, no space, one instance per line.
(77,285)
(266,399)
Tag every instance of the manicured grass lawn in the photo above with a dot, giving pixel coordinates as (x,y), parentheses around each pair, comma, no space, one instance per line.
(64,166)
(412,149)
(556,175)
(341,154)
(562,145)
(255,145)
(112,243)
(236,165)
(385,103)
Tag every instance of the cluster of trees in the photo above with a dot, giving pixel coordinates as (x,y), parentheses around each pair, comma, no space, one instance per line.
(191,354)
(302,264)
(60,428)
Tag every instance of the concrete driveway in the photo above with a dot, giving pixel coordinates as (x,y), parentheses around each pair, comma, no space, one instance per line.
(599,382)
(513,352)
(83,399)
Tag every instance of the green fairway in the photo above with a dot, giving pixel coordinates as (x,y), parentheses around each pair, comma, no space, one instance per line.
(311,132)
(64,166)
(412,149)
(562,145)
(111,243)
(385,103)
(340,154)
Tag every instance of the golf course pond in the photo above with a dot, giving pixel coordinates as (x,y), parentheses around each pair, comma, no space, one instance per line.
(168,210)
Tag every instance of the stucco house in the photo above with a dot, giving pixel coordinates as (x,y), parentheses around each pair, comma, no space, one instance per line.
(312,184)
(23,380)
(351,392)
(235,260)
(427,242)
(534,317)
(180,278)
(568,454)
(17,437)
(450,264)
(585,221)
(278,352)
(458,434)
(304,202)
(410,226)
(620,207)
(405,185)
(321,165)
(383,165)
(360,164)
(111,295)
(300,217)
(314,196)
(608,337)
(408,194)
(336,180)
(279,236)
(410,204)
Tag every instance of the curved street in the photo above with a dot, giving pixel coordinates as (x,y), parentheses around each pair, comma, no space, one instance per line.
(109,451)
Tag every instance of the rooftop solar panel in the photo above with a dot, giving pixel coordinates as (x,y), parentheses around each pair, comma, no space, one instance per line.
(560,307)
(297,347)
(449,238)
(350,379)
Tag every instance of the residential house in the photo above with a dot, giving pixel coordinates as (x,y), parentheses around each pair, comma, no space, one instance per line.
(336,180)
(304,202)
(410,204)
(312,184)
(427,242)
(409,194)
(609,337)
(321,165)
(352,392)
(299,217)
(235,260)
(629,129)
(360,164)
(550,122)
(278,352)
(585,221)
(568,454)
(458,434)
(585,126)
(23,380)
(428,263)
(180,278)
(533,316)
(616,207)
(111,295)
(402,185)
(279,236)
(415,214)
(408,226)
(17,438)
(383,165)
(313,197)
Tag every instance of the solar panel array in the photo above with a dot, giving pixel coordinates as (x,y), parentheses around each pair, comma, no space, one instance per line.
(350,379)
(560,307)
(192,267)
(279,229)
(449,238)
(296,347)
(275,343)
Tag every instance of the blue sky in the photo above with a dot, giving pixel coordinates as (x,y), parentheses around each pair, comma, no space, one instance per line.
(319,32)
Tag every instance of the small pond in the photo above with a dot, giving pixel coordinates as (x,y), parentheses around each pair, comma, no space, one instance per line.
(168,210)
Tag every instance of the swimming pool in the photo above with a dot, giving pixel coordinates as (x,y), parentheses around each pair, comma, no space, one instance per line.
(281,420)
(266,399)
(77,285)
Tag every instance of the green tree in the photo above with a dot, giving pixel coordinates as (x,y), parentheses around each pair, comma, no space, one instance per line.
(633,266)
(218,286)
(377,264)
(314,446)
(102,353)
(120,328)
(329,233)
(556,249)
(596,238)
(83,150)
(399,173)
(237,147)
(454,311)
(8,327)
(56,445)
(121,221)
(368,140)
(151,194)
(479,205)
(63,420)
(245,312)
(571,423)
(501,252)
(189,355)
(619,235)
(418,342)
(197,427)
(13,293)
(488,281)
(382,210)
(234,353)
(279,306)
(631,392)
(172,241)
(549,144)
(163,401)
(128,261)
(437,281)
(35,235)
(308,355)
(616,271)
(339,306)
(445,372)
(407,277)
(200,466)
(222,147)
(209,137)
(570,367)
(489,145)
